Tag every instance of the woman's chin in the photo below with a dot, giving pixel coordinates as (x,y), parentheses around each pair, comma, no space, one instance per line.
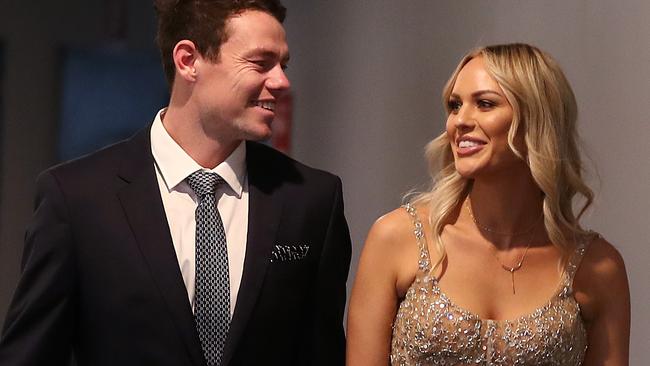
(468,171)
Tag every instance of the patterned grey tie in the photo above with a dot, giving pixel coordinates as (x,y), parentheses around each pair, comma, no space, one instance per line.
(212,286)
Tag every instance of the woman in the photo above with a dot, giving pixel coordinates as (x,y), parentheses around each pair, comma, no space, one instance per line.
(491,267)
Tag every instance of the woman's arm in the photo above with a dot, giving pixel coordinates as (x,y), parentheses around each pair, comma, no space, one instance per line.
(374,298)
(603,293)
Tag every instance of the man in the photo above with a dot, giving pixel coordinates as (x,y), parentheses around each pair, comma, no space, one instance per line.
(188,244)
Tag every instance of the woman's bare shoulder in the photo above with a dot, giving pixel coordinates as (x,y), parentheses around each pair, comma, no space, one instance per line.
(392,227)
(603,260)
(601,277)
(392,240)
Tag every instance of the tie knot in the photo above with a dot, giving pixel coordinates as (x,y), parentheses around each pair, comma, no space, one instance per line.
(204,183)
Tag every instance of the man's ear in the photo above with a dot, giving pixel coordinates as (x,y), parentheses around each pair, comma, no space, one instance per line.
(185,56)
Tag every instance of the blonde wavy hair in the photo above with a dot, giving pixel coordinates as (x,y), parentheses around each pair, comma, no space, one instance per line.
(545,110)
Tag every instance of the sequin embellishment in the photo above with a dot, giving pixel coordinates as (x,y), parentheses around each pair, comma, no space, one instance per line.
(429,329)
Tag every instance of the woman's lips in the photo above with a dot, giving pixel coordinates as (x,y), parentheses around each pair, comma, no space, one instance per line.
(467,147)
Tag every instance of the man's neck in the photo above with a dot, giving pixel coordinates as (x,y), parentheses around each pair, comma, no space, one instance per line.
(207,149)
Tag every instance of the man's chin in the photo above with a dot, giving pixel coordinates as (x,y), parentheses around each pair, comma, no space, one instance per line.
(259,135)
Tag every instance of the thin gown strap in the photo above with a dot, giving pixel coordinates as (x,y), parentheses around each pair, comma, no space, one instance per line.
(424,262)
(576,257)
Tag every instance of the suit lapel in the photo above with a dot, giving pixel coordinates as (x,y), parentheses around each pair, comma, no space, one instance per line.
(265,209)
(142,204)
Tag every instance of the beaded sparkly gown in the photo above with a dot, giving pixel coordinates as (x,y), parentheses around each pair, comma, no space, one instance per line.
(429,329)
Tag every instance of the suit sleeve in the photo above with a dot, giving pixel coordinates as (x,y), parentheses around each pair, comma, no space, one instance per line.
(329,338)
(39,325)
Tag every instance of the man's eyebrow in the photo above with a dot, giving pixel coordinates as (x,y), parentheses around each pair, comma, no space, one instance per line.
(262,52)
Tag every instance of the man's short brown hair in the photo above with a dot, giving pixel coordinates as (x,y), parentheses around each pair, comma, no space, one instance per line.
(202,22)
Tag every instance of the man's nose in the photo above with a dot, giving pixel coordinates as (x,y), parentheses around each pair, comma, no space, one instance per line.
(278,79)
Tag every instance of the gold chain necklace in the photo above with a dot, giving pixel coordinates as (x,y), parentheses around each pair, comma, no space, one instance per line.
(517,267)
(496,232)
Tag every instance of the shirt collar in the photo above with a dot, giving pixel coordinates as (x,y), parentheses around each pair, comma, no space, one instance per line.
(174,164)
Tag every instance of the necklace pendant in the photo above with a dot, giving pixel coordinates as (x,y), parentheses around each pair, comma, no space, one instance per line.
(530,229)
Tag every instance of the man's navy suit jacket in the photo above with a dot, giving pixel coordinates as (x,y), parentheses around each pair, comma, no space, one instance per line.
(100,278)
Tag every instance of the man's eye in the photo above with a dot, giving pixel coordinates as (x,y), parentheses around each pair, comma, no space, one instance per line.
(261,63)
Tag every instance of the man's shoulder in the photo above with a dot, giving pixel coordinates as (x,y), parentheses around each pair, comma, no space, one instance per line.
(261,157)
(105,161)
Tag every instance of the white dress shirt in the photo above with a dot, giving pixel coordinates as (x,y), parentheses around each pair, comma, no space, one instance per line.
(173,165)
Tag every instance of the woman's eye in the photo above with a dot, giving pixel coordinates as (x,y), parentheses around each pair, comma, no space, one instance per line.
(453,106)
(485,104)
